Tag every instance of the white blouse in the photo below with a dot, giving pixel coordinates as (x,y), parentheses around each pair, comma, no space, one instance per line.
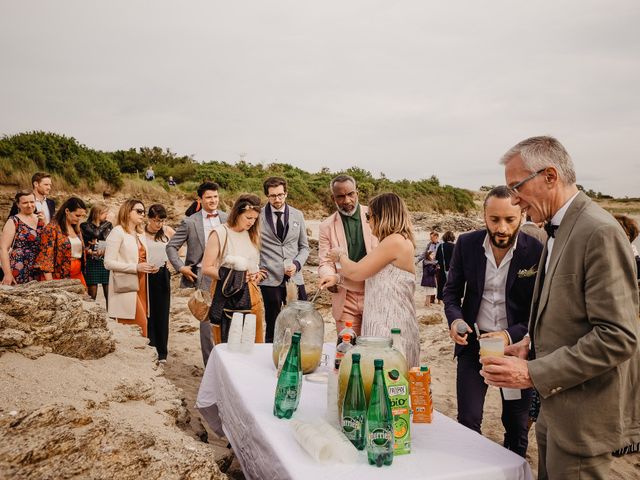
(76,247)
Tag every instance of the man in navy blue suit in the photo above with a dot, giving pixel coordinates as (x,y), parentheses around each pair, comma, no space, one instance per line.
(490,283)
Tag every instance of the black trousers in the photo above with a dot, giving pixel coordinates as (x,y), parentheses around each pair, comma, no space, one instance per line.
(471,391)
(273,298)
(159,303)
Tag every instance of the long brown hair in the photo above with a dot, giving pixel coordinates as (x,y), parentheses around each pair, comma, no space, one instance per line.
(389,214)
(246,202)
(72,204)
(124,214)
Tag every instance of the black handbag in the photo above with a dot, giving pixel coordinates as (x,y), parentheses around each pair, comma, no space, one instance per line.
(231,295)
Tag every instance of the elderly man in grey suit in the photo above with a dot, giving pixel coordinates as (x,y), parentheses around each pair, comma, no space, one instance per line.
(284,250)
(583,355)
(195,230)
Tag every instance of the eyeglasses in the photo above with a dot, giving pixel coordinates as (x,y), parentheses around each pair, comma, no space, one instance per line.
(157,220)
(139,211)
(275,196)
(514,188)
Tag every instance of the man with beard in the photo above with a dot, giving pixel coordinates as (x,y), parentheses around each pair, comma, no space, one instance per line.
(582,352)
(490,284)
(347,229)
(283,251)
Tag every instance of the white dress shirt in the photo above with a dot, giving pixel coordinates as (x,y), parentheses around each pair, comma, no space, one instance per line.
(274,217)
(41,206)
(556,220)
(209,223)
(492,315)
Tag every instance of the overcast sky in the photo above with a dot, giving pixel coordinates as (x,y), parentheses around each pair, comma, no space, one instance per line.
(408,88)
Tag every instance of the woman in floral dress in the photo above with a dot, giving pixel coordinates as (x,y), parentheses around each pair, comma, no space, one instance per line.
(20,242)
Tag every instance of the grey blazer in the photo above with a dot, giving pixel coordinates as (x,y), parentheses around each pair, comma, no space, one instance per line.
(273,251)
(585,333)
(191,230)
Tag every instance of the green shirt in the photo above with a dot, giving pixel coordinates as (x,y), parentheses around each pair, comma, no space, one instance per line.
(353,232)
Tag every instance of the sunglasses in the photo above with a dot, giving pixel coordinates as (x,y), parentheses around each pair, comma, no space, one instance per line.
(139,211)
(367,215)
(514,188)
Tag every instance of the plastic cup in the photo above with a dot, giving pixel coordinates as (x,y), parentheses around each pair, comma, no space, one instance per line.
(491,347)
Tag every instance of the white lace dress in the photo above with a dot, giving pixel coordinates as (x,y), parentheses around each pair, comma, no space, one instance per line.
(389,303)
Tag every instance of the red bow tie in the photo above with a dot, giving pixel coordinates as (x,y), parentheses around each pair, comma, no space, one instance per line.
(212,215)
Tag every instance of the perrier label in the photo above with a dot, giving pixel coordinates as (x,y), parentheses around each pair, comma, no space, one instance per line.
(354,407)
(379,431)
(289,382)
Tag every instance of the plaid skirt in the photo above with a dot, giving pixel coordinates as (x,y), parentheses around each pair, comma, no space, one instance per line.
(95,273)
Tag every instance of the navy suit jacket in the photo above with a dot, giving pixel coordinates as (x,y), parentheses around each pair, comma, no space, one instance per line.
(465,283)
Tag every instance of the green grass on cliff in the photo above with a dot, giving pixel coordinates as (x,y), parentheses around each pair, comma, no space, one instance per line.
(76,167)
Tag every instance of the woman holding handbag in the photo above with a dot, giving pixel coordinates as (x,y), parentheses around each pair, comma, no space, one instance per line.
(231,259)
(61,247)
(126,258)
(20,242)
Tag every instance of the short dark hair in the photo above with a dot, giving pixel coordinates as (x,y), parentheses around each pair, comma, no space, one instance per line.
(157,210)
(19,195)
(272,182)
(501,191)
(204,186)
(449,236)
(38,177)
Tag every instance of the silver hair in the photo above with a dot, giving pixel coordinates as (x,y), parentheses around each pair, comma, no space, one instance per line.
(541,152)
(341,179)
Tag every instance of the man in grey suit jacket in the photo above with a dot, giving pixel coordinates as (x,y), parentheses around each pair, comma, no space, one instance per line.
(583,345)
(195,230)
(283,237)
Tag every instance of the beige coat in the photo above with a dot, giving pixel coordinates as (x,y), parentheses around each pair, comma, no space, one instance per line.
(121,255)
(585,331)
(331,233)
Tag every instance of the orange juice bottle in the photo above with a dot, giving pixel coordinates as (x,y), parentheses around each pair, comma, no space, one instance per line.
(420,391)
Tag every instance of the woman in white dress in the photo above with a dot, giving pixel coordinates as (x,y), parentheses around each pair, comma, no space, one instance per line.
(389,275)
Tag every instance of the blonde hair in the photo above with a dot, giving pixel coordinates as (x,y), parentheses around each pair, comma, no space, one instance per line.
(124,214)
(97,210)
(389,214)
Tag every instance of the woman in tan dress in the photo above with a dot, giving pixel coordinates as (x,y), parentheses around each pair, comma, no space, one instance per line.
(126,257)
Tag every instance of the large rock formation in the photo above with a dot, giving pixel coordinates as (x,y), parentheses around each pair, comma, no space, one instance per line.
(55,317)
(82,396)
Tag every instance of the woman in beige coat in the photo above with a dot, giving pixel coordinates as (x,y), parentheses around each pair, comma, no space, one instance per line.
(126,257)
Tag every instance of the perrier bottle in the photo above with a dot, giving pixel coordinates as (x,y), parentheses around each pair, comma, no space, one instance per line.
(354,408)
(379,421)
(289,382)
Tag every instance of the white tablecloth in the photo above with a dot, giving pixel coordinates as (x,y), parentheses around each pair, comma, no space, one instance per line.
(240,387)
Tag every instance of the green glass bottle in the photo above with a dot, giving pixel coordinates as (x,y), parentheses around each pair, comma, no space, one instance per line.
(354,408)
(379,421)
(289,382)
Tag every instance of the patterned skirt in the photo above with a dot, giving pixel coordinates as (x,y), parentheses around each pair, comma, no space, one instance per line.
(95,273)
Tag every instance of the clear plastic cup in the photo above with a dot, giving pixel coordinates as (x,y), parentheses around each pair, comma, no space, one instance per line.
(491,347)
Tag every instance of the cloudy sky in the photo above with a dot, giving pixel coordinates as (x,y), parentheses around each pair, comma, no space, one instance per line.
(408,88)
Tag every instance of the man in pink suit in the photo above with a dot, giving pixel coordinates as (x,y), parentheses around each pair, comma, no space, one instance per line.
(347,229)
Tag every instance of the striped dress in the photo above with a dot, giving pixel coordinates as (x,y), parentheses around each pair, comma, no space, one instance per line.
(389,303)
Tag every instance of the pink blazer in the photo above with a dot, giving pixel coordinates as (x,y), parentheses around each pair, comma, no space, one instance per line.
(332,236)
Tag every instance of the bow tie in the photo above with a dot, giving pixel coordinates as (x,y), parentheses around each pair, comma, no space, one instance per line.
(212,215)
(550,229)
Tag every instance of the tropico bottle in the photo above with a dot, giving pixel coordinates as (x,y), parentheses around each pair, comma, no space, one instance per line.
(342,349)
(289,382)
(348,328)
(379,431)
(354,408)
